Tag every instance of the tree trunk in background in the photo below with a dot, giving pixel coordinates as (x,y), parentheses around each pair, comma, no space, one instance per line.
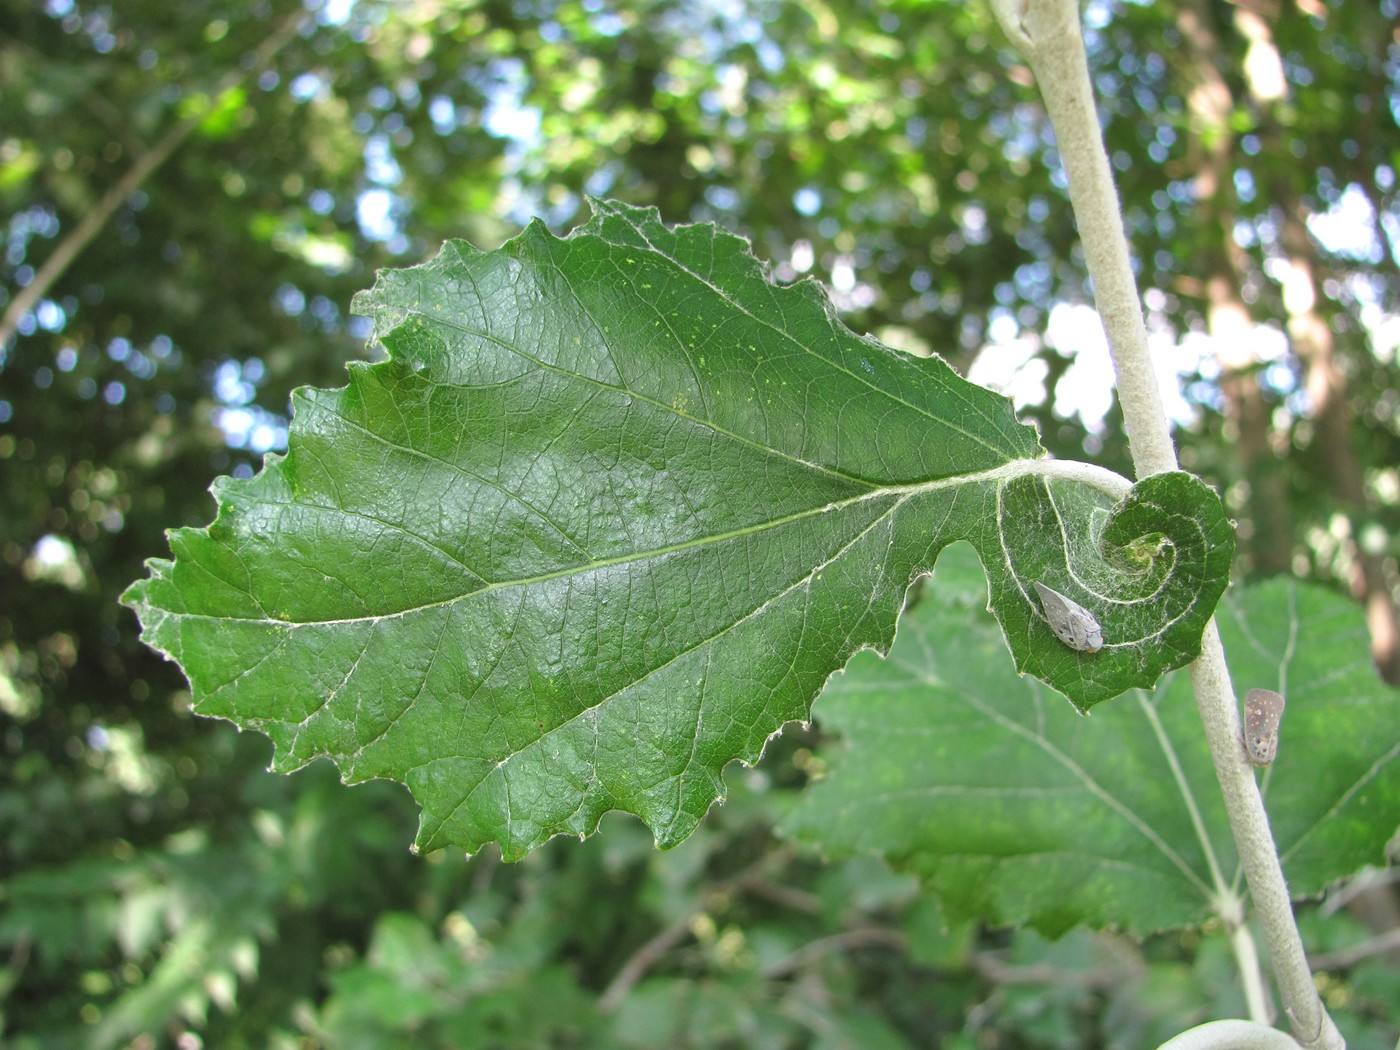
(1311,336)
(1266,538)
(1313,341)
(1336,451)
(1266,534)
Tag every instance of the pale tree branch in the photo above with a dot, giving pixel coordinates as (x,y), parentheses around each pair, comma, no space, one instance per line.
(81,235)
(1047,33)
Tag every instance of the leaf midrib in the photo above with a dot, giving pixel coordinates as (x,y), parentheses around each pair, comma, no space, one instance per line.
(901,493)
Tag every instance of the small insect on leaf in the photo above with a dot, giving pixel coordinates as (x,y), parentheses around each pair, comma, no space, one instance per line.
(1263,710)
(1072,623)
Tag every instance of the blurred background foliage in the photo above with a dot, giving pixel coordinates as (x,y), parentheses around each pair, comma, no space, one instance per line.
(190,195)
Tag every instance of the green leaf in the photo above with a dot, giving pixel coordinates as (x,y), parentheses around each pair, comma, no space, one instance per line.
(611,513)
(1012,810)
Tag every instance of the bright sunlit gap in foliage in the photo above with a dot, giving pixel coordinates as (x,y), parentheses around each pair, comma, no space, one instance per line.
(246,425)
(1010,363)
(1188,366)
(54,559)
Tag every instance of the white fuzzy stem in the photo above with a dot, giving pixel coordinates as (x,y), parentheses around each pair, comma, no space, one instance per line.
(1047,32)
(1048,35)
(1231,1035)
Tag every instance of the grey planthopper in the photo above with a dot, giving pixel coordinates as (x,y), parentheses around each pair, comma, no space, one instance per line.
(1072,623)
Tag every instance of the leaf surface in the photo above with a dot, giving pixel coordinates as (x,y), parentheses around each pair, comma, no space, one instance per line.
(611,513)
(1013,810)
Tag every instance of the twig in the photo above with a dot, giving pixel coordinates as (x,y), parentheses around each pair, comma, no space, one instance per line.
(91,224)
(785,896)
(847,940)
(1120,968)
(1048,35)
(14,969)
(645,957)
(1368,880)
(1344,957)
(655,949)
